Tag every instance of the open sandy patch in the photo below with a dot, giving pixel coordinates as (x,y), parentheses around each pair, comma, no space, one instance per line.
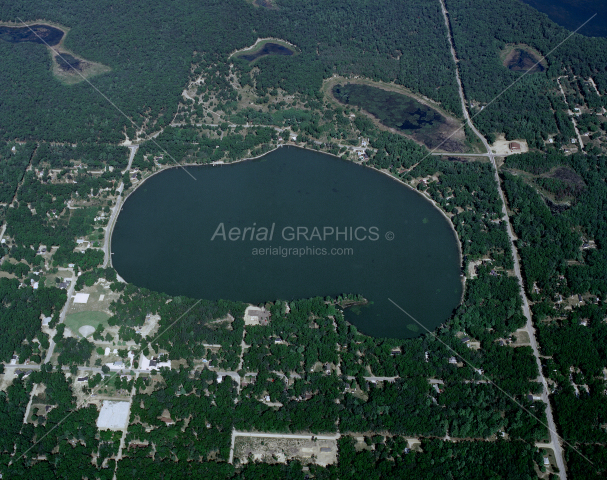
(113,415)
(501,146)
(86,330)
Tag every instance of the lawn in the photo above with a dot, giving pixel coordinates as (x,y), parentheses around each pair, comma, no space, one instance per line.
(76,320)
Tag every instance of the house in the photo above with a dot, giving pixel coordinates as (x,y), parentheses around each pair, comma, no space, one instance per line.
(145,364)
(453,360)
(579,298)
(83,379)
(584,323)
(395,351)
(515,147)
(167,420)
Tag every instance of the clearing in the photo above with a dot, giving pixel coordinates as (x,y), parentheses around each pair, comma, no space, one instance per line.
(77,322)
(282,450)
(113,415)
(501,146)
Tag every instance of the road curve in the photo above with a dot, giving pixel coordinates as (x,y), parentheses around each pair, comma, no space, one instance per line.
(107,260)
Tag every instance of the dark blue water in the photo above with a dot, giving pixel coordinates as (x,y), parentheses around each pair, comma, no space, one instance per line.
(41,34)
(573,13)
(165,239)
(268,49)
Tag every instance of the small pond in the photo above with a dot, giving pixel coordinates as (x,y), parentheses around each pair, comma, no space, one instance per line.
(40,34)
(520,60)
(267,49)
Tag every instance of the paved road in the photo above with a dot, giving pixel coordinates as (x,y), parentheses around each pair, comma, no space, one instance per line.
(554,438)
(462,154)
(107,261)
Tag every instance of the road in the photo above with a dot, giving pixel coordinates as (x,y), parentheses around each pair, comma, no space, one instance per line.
(29,404)
(462,154)
(107,261)
(554,438)
(125,431)
(70,294)
(571,116)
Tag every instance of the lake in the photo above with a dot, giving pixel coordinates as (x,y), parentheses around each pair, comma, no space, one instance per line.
(227,235)
(51,35)
(267,49)
(573,13)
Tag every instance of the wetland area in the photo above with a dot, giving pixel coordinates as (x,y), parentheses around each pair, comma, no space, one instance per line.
(402,114)
(522,58)
(33,33)
(174,235)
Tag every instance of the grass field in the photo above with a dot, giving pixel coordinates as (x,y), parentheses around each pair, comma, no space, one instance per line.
(76,320)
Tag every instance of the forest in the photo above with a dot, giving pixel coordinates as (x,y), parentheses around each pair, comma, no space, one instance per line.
(305,371)
(572,333)
(150,65)
(529,108)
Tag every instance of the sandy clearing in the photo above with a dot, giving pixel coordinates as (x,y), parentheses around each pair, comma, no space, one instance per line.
(502,146)
(113,415)
(86,330)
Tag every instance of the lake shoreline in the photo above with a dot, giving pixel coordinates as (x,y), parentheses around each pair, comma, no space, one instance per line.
(422,198)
